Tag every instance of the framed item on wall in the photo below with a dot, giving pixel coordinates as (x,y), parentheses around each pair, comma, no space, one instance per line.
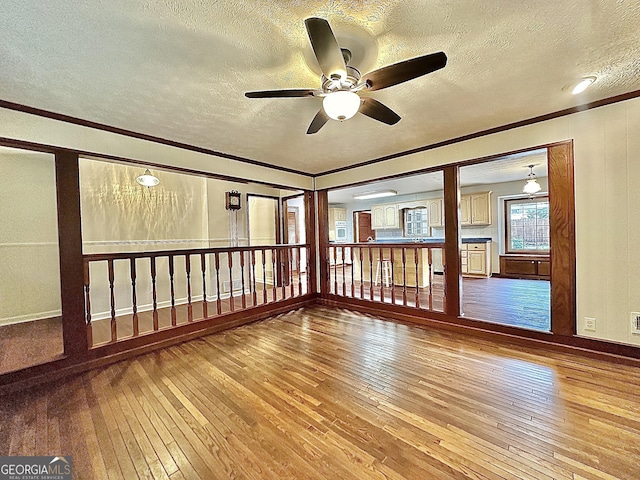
(232,200)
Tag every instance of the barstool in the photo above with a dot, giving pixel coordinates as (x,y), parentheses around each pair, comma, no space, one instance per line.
(385,275)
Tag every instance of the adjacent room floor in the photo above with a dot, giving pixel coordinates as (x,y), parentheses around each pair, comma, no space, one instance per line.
(323,393)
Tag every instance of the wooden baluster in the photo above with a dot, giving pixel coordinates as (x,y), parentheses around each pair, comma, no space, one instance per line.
(393,276)
(444,281)
(361,272)
(404,276)
(253,269)
(344,276)
(335,270)
(112,299)
(174,320)
(292,267)
(87,303)
(264,276)
(417,261)
(381,263)
(274,273)
(299,262)
(218,299)
(203,268)
(155,294)
(231,301)
(370,274)
(307,267)
(353,293)
(430,261)
(281,253)
(244,300)
(187,266)
(134,297)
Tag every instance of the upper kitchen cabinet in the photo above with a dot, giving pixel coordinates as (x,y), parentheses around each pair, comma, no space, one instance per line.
(475,209)
(336,215)
(436,212)
(385,216)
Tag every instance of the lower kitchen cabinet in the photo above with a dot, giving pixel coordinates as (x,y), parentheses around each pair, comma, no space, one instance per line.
(476,259)
(525,266)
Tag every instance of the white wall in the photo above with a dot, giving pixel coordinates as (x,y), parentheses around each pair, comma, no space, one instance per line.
(607,172)
(29,260)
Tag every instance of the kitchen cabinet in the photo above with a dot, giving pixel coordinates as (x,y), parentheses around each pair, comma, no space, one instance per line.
(335,215)
(385,216)
(525,266)
(465,209)
(475,209)
(436,212)
(476,259)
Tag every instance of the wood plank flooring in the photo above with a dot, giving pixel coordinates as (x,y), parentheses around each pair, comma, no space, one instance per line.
(322,393)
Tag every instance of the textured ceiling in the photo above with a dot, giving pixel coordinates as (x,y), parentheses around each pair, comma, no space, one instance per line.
(178,69)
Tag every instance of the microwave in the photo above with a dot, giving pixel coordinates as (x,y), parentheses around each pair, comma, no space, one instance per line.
(341,232)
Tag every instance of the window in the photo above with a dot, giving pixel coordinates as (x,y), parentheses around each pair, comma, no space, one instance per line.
(416,222)
(527,224)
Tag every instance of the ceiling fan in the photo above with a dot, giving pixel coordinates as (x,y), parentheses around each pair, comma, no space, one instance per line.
(341,82)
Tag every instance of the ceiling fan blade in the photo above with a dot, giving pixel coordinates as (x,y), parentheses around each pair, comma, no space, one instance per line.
(302,92)
(318,122)
(326,48)
(402,71)
(376,110)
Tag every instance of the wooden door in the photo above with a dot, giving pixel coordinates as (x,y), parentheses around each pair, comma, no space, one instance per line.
(363,229)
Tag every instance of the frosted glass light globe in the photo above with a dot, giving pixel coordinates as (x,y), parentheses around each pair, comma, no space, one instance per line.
(341,105)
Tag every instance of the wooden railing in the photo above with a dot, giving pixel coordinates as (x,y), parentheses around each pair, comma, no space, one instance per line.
(408,274)
(129,294)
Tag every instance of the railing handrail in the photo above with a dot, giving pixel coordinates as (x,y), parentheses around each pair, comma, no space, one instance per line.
(390,244)
(95,257)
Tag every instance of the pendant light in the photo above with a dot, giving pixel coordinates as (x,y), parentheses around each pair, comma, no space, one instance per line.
(531,186)
(148,180)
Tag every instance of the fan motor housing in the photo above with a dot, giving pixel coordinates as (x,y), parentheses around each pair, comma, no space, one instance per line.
(353,77)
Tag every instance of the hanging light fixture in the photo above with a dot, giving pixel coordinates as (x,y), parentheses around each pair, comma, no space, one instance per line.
(148,180)
(531,186)
(341,105)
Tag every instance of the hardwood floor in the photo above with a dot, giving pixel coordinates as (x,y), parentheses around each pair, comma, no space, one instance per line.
(30,343)
(507,301)
(323,393)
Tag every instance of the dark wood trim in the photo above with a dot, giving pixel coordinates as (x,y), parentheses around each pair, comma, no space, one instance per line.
(490,131)
(8,142)
(112,353)
(618,353)
(142,136)
(452,240)
(74,329)
(129,133)
(562,238)
(310,233)
(323,240)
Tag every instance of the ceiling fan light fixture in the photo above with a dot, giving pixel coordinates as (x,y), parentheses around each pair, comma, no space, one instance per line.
(583,85)
(341,105)
(148,180)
